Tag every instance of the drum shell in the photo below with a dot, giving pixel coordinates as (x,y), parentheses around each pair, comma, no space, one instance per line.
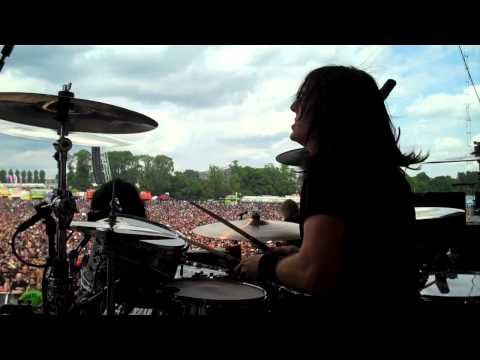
(136,257)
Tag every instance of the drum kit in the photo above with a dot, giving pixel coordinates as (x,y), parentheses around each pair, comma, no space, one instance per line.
(182,285)
(191,287)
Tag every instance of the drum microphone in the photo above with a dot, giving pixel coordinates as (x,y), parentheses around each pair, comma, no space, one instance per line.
(6,51)
(43,209)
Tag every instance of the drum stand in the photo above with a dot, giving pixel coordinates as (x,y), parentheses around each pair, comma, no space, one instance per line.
(56,293)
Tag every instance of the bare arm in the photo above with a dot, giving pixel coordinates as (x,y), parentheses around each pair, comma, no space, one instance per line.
(314,268)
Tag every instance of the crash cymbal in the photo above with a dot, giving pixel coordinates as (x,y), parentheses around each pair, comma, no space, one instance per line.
(428,213)
(264,230)
(294,157)
(37,133)
(84,116)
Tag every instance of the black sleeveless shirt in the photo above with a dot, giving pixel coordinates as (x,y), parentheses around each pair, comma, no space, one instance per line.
(376,203)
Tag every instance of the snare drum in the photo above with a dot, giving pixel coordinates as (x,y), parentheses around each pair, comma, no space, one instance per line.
(217,297)
(464,289)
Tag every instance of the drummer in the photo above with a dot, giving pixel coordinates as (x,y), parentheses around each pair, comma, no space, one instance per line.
(355,249)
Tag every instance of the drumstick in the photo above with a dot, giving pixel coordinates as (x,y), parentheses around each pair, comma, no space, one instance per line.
(254,240)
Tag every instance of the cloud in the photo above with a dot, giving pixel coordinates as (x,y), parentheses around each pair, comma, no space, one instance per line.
(254,142)
(216,104)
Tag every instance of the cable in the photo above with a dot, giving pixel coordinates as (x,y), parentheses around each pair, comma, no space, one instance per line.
(14,251)
(473,285)
(468,72)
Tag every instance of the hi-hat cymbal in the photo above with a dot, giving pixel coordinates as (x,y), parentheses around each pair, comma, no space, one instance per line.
(37,133)
(264,231)
(294,157)
(125,226)
(84,116)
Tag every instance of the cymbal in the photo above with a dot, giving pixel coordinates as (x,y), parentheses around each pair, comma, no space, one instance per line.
(454,160)
(38,133)
(125,226)
(264,231)
(84,116)
(294,157)
(427,213)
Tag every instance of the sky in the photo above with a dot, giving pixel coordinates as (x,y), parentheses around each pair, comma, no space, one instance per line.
(216,104)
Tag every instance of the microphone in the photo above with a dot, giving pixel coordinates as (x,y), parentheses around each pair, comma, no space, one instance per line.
(387,88)
(73,255)
(6,51)
(42,210)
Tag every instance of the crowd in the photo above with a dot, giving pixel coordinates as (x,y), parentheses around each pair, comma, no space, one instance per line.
(32,245)
(183,217)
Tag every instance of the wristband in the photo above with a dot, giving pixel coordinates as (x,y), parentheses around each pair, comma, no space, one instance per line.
(267,267)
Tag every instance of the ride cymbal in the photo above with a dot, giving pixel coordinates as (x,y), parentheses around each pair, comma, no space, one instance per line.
(264,230)
(84,115)
(296,157)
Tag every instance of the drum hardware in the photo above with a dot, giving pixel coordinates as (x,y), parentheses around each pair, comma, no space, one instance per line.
(6,51)
(84,116)
(43,134)
(227,260)
(252,239)
(216,297)
(255,230)
(257,224)
(64,114)
(463,289)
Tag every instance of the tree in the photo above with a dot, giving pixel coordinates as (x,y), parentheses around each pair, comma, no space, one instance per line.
(217,183)
(289,181)
(17,176)
(24,176)
(158,174)
(125,165)
(188,185)
(35,176)
(29,176)
(82,173)
(41,176)
(3,176)
(234,177)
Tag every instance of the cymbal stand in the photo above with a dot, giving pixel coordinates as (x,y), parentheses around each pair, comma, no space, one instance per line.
(57,291)
(109,248)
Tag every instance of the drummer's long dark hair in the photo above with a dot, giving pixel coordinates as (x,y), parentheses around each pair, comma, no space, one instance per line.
(349,117)
(127,194)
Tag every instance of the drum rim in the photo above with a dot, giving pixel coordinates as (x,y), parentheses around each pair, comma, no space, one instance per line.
(446,297)
(222,301)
